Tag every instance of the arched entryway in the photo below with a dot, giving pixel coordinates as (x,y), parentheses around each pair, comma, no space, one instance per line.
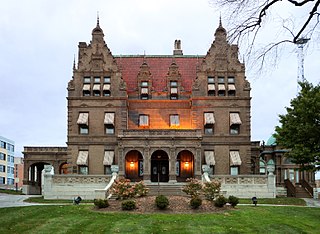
(63,169)
(34,177)
(134,165)
(159,166)
(184,166)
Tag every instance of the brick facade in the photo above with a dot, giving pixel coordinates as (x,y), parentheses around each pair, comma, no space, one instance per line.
(145,93)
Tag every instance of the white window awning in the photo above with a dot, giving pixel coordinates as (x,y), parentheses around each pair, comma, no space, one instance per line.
(144,90)
(82,159)
(235,159)
(235,118)
(221,87)
(209,118)
(143,120)
(109,118)
(211,87)
(96,87)
(86,87)
(83,118)
(209,157)
(231,87)
(106,87)
(108,158)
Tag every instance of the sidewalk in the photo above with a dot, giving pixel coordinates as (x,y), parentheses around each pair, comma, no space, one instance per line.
(9,200)
(312,202)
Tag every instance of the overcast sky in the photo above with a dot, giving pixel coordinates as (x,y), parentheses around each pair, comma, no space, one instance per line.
(39,40)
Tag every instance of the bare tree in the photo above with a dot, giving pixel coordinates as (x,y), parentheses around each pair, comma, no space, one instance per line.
(249,17)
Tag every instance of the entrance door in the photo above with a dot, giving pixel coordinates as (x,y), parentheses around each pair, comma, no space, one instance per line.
(159,167)
(160,170)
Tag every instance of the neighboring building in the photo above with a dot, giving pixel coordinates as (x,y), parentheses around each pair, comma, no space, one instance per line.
(6,163)
(18,170)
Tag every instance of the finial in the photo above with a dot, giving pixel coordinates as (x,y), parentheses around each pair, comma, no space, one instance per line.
(220,21)
(98,19)
(74,62)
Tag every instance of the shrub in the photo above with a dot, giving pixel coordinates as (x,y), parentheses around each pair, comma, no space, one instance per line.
(220,201)
(233,201)
(128,205)
(140,189)
(162,202)
(195,202)
(211,189)
(193,187)
(101,203)
(123,189)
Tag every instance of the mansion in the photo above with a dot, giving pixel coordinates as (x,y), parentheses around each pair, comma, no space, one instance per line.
(158,118)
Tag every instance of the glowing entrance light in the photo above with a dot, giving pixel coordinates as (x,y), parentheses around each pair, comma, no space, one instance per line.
(132,164)
(186,165)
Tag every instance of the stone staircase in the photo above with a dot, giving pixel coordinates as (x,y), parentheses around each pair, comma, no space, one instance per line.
(302,192)
(165,189)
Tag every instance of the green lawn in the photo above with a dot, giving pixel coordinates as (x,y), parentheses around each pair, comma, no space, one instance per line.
(276,201)
(82,219)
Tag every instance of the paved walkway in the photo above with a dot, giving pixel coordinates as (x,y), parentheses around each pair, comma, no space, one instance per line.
(8,200)
(312,202)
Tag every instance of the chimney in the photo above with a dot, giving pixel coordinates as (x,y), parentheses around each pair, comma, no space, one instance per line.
(177,48)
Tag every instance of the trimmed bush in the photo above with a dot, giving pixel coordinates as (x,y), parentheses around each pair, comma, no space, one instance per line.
(128,205)
(220,201)
(123,189)
(233,201)
(211,189)
(162,202)
(193,187)
(101,203)
(195,202)
(140,189)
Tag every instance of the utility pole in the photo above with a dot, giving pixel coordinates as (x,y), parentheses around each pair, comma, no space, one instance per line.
(300,43)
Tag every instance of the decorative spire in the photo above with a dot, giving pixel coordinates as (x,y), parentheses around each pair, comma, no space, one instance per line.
(220,21)
(74,62)
(98,25)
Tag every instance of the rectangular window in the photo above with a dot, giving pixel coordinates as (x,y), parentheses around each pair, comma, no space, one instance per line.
(106,80)
(83,122)
(3,144)
(83,129)
(230,80)
(210,80)
(109,129)
(174,121)
(2,180)
(144,84)
(97,80)
(234,170)
(173,84)
(87,80)
(2,156)
(143,121)
(86,90)
(235,123)
(107,170)
(83,170)
(221,80)
(2,168)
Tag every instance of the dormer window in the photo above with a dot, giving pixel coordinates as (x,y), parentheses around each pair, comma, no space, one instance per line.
(106,80)
(231,86)
(87,80)
(173,90)
(211,86)
(144,91)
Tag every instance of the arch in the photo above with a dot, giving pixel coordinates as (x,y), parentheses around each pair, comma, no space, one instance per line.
(63,168)
(34,176)
(159,166)
(262,167)
(134,165)
(166,150)
(184,165)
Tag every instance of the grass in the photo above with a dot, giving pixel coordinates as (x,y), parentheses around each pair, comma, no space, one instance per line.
(276,201)
(82,219)
(13,192)
(54,201)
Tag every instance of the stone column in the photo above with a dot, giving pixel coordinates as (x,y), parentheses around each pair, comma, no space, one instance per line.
(172,165)
(197,158)
(146,165)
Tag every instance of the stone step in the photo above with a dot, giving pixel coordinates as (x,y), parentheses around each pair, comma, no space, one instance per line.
(165,189)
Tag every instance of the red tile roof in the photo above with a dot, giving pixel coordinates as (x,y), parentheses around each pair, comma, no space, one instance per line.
(159,67)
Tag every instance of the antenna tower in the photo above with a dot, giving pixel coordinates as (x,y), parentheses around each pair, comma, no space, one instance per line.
(300,44)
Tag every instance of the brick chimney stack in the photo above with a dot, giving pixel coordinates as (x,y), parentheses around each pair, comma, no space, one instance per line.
(177,48)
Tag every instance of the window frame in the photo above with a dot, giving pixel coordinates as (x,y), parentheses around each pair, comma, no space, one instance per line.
(87,80)
(97,80)
(83,129)
(107,80)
